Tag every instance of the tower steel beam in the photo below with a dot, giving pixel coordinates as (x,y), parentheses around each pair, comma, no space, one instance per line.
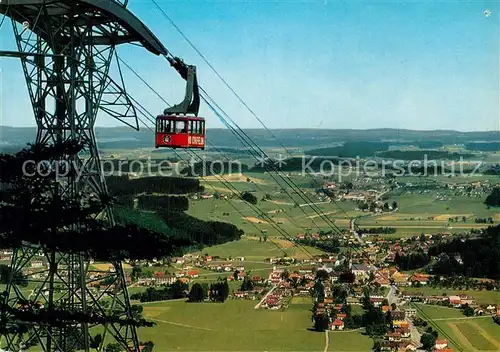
(66,49)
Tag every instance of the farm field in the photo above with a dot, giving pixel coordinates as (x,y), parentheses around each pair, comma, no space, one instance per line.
(418,212)
(481,297)
(231,326)
(253,250)
(470,334)
(236,326)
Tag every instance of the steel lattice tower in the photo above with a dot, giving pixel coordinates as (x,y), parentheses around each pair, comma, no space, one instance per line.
(66,49)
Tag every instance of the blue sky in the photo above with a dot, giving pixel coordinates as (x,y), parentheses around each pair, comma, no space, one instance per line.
(308,64)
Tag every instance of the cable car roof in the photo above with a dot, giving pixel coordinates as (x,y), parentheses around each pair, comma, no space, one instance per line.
(180,118)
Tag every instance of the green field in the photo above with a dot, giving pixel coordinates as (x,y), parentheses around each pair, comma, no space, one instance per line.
(481,297)
(252,249)
(236,326)
(231,326)
(414,216)
(469,334)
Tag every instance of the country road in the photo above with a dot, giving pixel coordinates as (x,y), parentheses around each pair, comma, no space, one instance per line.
(393,298)
(257,306)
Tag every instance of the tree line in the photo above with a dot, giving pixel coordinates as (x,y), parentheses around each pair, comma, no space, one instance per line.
(412,260)
(123,185)
(172,203)
(377,230)
(172,291)
(215,292)
(493,199)
(473,257)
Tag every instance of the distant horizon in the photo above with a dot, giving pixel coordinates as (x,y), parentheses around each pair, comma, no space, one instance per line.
(415,65)
(294,128)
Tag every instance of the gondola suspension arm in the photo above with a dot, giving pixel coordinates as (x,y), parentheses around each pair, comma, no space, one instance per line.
(191,102)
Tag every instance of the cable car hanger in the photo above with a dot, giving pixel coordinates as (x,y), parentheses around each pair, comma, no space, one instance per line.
(191,102)
(175,128)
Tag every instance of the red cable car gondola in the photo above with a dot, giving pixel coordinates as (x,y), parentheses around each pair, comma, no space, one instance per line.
(174,129)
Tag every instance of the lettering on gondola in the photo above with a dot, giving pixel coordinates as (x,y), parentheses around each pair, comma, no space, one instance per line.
(196,140)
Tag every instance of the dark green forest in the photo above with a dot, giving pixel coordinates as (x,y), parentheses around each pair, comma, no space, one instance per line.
(479,257)
(124,185)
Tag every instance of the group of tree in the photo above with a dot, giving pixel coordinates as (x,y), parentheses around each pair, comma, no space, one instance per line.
(247,284)
(428,339)
(351,149)
(412,260)
(467,310)
(428,155)
(483,220)
(479,256)
(154,202)
(124,185)
(35,209)
(493,170)
(493,199)
(203,233)
(198,292)
(173,291)
(372,206)
(328,245)
(378,230)
(219,291)
(483,146)
(249,197)
(376,322)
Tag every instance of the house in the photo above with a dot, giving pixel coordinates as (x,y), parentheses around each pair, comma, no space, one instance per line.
(400,279)
(398,315)
(377,301)
(456,301)
(440,344)
(162,278)
(179,260)
(394,336)
(193,273)
(422,279)
(410,312)
(407,346)
(361,270)
(491,308)
(468,301)
(329,185)
(337,324)
(36,264)
(405,332)
(399,324)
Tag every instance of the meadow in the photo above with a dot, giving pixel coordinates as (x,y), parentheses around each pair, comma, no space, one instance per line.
(481,297)
(418,211)
(465,333)
(236,326)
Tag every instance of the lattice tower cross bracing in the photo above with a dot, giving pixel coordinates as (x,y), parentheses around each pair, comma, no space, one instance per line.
(66,50)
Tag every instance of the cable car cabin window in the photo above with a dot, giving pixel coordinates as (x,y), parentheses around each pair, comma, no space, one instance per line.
(167,128)
(181,127)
